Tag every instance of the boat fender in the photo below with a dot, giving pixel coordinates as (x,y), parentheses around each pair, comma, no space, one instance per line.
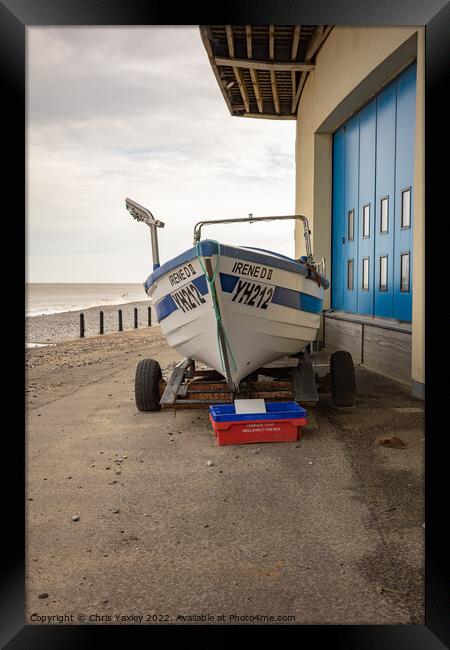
(312,272)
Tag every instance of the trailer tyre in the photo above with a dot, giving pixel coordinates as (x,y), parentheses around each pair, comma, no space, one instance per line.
(342,375)
(146,385)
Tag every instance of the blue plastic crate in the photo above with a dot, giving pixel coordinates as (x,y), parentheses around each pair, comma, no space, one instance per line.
(274,411)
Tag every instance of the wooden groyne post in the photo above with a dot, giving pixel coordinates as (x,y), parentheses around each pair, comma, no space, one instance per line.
(135,318)
(101,323)
(149,316)
(82,326)
(120,321)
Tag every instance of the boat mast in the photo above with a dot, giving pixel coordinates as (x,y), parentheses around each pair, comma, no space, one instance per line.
(140,213)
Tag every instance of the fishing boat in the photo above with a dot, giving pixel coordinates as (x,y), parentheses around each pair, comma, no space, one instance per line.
(234,308)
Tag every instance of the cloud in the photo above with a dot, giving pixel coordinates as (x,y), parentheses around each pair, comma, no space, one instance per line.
(116,112)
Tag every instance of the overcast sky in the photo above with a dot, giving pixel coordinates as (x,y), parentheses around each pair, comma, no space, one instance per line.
(116,112)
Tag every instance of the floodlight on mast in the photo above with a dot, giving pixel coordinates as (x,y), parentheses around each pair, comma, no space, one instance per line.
(139,213)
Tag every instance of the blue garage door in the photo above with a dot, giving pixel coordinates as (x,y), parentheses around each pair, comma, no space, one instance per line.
(373,171)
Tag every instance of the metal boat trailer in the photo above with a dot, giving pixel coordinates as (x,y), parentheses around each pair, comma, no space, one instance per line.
(189,387)
(296,379)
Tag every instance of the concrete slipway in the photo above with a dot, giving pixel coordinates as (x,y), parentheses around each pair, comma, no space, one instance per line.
(326,530)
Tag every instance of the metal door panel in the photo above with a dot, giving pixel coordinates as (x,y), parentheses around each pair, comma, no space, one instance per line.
(385,189)
(404,179)
(373,160)
(351,195)
(337,262)
(366,247)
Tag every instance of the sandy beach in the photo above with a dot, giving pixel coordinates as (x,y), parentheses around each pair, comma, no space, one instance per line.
(325,530)
(65,326)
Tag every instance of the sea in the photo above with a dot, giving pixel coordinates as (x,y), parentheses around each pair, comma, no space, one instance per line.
(54,298)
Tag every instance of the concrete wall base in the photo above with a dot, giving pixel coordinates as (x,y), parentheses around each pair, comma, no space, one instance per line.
(418,390)
(378,345)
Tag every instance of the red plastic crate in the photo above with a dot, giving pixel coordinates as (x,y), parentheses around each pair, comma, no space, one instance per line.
(242,432)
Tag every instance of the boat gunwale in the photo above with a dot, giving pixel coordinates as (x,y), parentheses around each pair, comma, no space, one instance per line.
(209,248)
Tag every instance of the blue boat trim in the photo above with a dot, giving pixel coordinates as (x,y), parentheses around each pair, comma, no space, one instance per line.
(228,282)
(282,295)
(274,411)
(167,305)
(209,248)
(201,284)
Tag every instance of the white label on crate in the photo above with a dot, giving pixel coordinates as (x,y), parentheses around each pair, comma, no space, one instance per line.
(249,406)
(260,427)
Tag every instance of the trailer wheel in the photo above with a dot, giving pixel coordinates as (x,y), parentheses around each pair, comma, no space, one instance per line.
(342,375)
(146,385)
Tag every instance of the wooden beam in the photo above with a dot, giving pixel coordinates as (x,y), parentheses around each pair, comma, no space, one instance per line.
(248,32)
(242,88)
(269,116)
(257,90)
(273,82)
(237,72)
(293,80)
(253,73)
(295,42)
(230,40)
(317,40)
(294,52)
(276,66)
(273,78)
(271,42)
(206,36)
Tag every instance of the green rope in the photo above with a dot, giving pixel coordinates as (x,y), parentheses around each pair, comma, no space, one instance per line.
(215,302)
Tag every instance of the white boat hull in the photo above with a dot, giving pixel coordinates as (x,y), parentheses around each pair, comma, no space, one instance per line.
(267,312)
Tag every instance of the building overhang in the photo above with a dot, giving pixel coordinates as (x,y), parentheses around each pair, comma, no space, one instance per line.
(262,69)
